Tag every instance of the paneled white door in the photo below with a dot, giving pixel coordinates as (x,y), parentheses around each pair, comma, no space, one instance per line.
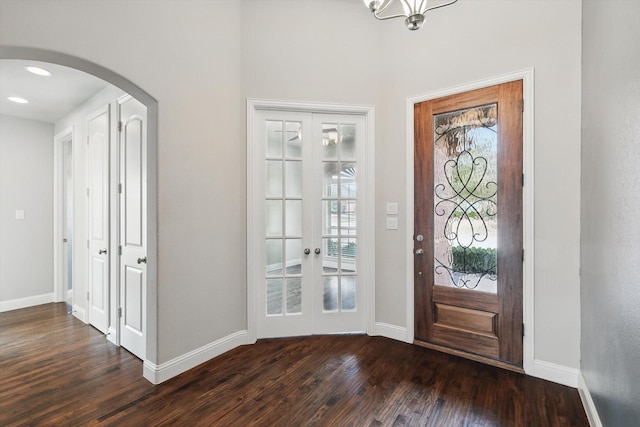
(307,169)
(98,230)
(133,225)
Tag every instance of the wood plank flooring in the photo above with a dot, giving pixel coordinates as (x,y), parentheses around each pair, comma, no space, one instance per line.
(56,371)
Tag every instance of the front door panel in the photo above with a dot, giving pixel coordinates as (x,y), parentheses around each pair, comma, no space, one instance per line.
(468,223)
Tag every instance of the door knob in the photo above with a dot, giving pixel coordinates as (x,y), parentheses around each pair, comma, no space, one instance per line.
(317,251)
(142,260)
(419,251)
(307,251)
(102,251)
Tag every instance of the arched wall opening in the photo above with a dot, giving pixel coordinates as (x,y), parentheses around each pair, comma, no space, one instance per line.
(34,54)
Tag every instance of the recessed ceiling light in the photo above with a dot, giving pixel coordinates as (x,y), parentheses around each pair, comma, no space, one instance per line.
(37,70)
(17,100)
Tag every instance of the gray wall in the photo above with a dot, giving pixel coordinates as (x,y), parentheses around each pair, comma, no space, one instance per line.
(26,171)
(610,252)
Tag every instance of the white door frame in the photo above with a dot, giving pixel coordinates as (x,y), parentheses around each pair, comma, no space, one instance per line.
(527,76)
(59,140)
(368,253)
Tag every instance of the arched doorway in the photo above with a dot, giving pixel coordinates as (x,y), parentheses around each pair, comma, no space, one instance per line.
(34,54)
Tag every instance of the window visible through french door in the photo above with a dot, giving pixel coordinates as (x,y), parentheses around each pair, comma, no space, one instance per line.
(306,220)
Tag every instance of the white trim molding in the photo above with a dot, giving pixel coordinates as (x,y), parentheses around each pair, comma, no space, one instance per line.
(398,333)
(16,304)
(59,140)
(368,272)
(556,373)
(527,76)
(587,402)
(176,366)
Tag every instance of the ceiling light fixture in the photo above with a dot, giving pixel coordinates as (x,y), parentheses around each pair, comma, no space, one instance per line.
(39,71)
(414,10)
(17,100)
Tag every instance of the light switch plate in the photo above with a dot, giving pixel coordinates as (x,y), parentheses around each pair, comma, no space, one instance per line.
(19,214)
(392,223)
(392,209)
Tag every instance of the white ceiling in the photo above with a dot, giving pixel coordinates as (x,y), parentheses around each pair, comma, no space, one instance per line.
(50,98)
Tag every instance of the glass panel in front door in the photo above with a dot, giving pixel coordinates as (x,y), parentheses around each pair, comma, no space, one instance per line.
(465,199)
(339,231)
(283,218)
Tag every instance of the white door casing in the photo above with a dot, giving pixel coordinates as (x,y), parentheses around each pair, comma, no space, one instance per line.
(98,217)
(63,143)
(133,224)
(316,269)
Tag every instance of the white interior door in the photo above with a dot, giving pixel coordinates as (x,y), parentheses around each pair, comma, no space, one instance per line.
(306,168)
(133,226)
(98,230)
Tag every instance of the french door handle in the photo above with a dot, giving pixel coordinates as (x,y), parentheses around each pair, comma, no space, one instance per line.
(102,251)
(307,251)
(317,251)
(142,260)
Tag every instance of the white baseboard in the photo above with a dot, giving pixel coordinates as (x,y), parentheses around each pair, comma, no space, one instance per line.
(587,402)
(160,373)
(557,373)
(398,333)
(19,303)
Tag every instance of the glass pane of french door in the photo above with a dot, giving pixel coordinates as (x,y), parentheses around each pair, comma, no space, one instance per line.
(339,219)
(283,217)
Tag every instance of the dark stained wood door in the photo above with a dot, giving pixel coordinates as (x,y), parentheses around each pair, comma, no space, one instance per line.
(468,224)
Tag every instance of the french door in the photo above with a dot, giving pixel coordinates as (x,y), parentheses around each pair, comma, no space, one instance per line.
(468,239)
(307,220)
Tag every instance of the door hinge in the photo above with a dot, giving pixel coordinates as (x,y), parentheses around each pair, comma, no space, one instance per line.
(119,312)
(119,126)
(523,180)
(87,295)
(87,244)
(120,188)
(120,250)
(87,191)
(523,329)
(522,105)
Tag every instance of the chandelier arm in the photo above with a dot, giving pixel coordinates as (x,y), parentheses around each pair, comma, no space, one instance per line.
(385,5)
(441,5)
(382,18)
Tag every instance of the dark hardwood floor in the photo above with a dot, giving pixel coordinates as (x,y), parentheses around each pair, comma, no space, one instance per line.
(54,370)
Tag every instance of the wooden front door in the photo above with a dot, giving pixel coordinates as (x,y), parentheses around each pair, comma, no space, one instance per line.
(468,240)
